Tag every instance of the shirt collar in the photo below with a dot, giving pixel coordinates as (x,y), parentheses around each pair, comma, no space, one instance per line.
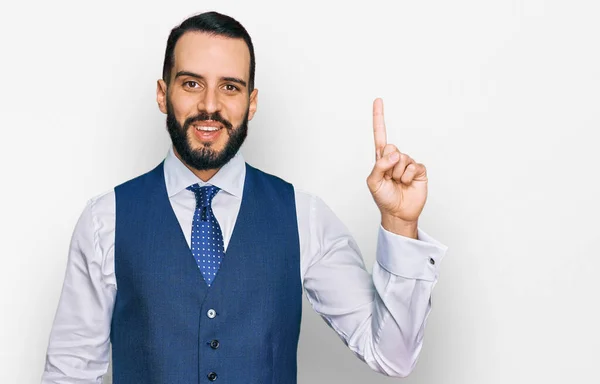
(230,178)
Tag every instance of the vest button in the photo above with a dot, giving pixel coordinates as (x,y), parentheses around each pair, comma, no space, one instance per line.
(214,344)
(212,376)
(211,313)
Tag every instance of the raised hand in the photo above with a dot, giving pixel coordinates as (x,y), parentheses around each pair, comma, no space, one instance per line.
(398,184)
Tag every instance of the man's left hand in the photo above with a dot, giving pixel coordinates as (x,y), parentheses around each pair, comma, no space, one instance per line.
(398,183)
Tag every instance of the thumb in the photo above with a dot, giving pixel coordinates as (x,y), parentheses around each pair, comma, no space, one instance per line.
(383,165)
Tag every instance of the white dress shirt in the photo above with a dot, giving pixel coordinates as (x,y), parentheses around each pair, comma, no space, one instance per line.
(380,317)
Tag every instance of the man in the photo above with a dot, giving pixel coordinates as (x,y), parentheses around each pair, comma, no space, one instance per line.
(193,272)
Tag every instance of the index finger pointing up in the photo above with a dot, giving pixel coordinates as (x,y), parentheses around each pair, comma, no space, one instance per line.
(379,128)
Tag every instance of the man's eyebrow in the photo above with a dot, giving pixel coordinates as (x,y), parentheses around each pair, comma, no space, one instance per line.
(186,73)
(197,76)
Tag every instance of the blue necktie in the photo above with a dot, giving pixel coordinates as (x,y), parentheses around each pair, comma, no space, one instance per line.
(207,239)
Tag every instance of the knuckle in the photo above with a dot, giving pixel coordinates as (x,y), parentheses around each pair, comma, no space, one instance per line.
(371,183)
(392,147)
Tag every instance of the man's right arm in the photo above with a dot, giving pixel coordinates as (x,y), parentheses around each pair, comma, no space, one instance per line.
(78,350)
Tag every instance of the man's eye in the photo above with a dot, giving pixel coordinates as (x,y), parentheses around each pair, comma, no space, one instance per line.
(191,84)
(231,88)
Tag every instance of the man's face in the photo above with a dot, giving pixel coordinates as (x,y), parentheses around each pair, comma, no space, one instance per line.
(207,101)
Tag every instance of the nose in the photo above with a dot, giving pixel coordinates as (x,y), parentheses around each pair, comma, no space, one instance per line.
(209,101)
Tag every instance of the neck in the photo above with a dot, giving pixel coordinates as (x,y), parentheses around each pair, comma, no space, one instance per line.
(204,175)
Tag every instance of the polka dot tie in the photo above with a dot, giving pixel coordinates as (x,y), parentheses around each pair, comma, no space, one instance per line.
(207,239)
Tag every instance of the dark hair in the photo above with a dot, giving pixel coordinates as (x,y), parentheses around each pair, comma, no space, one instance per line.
(213,23)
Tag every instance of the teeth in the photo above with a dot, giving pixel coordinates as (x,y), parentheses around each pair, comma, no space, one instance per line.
(207,129)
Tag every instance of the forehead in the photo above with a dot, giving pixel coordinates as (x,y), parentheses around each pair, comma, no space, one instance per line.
(209,55)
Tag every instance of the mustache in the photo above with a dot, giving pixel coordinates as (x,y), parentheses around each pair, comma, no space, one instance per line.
(204,116)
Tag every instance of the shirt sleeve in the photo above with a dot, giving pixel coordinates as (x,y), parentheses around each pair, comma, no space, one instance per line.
(380,317)
(78,349)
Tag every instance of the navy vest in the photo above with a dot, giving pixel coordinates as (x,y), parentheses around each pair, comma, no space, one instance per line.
(169,327)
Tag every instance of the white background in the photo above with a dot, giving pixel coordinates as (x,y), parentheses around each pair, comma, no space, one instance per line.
(499,99)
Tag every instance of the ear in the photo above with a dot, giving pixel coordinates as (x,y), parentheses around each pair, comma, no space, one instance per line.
(253,104)
(161,95)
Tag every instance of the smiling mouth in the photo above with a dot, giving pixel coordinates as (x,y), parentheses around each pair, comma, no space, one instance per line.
(205,128)
(207,131)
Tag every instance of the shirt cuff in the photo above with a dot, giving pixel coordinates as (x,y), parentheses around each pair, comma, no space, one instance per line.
(410,258)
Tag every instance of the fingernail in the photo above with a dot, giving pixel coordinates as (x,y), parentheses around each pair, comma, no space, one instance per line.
(394,156)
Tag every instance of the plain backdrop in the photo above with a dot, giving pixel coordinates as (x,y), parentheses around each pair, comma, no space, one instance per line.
(499,99)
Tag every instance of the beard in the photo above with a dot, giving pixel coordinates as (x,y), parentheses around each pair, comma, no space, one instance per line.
(205,158)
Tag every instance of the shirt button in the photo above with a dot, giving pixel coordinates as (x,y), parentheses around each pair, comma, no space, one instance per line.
(431,261)
(212,376)
(214,344)
(211,313)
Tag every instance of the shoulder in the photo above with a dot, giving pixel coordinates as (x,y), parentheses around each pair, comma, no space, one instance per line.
(157,173)
(104,204)
(260,175)
(102,209)
(269,185)
(305,200)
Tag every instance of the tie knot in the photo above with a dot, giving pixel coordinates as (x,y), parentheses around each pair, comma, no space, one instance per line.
(204,195)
